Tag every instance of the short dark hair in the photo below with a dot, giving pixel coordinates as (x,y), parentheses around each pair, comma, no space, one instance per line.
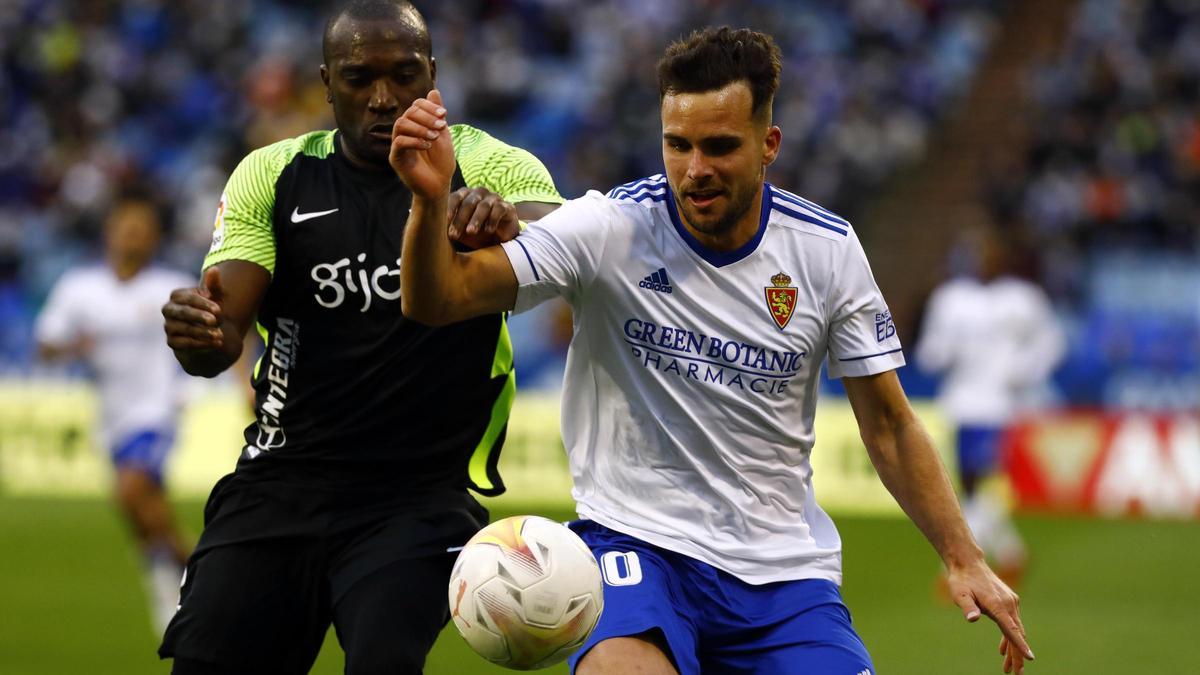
(712,58)
(374,10)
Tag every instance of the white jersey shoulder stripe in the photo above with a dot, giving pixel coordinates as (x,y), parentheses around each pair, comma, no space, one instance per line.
(808,218)
(653,182)
(789,206)
(642,197)
(637,187)
(811,206)
(650,188)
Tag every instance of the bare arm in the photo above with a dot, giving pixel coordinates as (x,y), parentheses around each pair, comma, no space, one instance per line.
(531,211)
(439,285)
(206,326)
(53,351)
(910,468)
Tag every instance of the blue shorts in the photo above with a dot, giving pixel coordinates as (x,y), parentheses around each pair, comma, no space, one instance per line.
(714,622)
(145,450)
(978,449)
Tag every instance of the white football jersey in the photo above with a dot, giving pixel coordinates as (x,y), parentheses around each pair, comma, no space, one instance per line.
(137,377)
(691,380)
(997,343)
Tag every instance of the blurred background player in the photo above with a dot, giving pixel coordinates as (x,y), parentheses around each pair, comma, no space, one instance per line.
(351,492)
(106,315)
(995,339)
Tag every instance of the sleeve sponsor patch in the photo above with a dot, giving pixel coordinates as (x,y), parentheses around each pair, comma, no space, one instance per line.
(218,236)
(884,328)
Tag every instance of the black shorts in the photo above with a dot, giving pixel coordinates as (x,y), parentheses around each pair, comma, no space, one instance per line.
(277,563)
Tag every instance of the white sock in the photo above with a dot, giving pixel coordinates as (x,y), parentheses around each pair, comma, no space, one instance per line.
(1008,548)
(994,530)
(162,578)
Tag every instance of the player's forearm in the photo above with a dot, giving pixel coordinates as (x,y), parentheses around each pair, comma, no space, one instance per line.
(427,264)
(909,465)
(48,351)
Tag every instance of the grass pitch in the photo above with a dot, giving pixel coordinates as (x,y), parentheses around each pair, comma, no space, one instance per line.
(1102,597)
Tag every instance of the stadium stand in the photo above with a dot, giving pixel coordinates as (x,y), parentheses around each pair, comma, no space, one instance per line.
(1108,194)
(99,98)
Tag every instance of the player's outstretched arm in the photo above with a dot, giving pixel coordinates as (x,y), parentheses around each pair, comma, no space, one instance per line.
(439,285)
(59,351)
(206,325)
(909,465)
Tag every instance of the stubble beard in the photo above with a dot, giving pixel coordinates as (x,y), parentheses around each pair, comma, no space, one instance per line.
(738,206)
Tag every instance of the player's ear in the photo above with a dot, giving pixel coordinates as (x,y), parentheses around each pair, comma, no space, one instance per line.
(325,80)
(771,145)
(433,71)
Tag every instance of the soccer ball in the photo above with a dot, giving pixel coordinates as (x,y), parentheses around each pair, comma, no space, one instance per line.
(525,592)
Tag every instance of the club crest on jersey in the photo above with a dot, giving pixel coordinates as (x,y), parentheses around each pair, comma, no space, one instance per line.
(781,299)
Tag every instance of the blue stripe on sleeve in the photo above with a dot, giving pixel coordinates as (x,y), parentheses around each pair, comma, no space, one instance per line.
(871,356)
(800,201)
(536,276)
(809,219)
(634,193)
(633,185)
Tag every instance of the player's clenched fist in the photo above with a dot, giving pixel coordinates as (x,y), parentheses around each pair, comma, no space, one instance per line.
(477,217)
(422,154)
(192,317)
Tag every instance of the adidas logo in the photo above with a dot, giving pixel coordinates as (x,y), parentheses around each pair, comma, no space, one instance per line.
(658,281)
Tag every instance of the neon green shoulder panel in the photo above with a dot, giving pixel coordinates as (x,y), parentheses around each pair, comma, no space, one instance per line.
(243,229)
(513,173)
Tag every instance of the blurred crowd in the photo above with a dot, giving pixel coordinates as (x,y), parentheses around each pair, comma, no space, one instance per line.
(162,98)
(1107,193)
(1114,159)
(107,97)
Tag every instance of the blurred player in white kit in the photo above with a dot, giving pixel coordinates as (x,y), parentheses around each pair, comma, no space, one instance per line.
(995,339)
(107,315)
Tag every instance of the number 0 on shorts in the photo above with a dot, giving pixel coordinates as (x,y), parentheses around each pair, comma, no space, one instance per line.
(621,569)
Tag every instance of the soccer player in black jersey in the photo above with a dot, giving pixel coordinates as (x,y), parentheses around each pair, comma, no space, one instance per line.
(353,480)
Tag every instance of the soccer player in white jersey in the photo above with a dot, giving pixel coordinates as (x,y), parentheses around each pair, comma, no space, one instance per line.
(995,338)
(704,303)
(108,316)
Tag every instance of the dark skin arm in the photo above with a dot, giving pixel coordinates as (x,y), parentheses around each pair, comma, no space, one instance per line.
(531,211)
(478,218)
(206,326)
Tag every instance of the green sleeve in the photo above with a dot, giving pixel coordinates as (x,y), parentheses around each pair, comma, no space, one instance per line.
(513,173)
(243,229)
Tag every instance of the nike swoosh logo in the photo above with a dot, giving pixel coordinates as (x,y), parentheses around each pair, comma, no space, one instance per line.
(298,217)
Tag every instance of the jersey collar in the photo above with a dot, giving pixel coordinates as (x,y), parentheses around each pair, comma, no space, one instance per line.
(722,258)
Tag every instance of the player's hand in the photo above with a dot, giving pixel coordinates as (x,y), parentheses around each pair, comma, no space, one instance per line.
(192,317)
(978,591)
(422,154)
(478,218)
